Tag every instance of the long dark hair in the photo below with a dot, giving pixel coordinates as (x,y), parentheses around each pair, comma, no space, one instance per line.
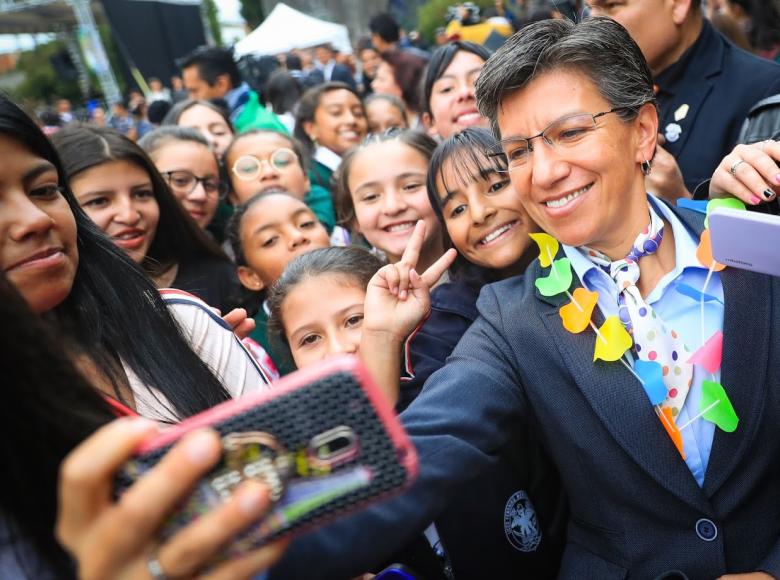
(113,312)
(48,408)
(178,237)
(466,153)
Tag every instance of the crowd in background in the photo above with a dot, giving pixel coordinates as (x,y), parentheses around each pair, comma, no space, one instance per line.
(260,216)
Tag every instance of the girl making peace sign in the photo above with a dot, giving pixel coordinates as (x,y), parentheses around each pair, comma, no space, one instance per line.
(338,300)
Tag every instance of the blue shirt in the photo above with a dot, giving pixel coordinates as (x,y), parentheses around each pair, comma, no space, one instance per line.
(678,311)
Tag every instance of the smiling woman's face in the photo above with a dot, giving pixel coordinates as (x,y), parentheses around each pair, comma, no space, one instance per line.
(590,189)
(119,197)
(38,250)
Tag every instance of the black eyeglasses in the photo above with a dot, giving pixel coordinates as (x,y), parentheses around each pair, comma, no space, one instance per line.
(564,133)
(185,182)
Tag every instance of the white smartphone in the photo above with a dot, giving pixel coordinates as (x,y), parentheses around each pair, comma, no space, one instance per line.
(746,239)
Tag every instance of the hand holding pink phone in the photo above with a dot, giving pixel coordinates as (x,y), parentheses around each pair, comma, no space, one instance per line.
(324,441)
(94,528)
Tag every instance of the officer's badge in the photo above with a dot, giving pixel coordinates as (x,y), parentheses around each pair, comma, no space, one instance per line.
(672,132)
(521,525)
(681,113)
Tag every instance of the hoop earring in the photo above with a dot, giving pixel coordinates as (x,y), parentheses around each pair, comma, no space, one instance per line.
(646,167)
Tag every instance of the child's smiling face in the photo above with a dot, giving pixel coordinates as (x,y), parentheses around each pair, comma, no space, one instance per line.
(387,184)
(275,230)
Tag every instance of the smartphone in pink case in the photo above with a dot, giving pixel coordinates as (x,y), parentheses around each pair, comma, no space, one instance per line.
(324,439)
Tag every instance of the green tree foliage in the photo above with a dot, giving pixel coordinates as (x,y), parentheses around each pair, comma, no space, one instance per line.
(252,11)
(212,15)
(431,15)
(41,83)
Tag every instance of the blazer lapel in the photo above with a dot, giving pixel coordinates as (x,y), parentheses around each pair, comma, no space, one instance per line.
(621,404)
(747,321)
(748,312)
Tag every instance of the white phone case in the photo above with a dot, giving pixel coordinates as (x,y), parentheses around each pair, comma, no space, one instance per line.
(746,239)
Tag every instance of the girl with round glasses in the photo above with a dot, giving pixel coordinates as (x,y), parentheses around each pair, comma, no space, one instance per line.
(120,189)
(264,161)
(186,162)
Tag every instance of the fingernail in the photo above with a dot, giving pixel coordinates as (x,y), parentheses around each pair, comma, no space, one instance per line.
(251,498)
(755,200)
(768,193)
(200,447)
(402,295)
(777,178)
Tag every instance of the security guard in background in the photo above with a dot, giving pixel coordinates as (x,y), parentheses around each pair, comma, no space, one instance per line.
(704,84)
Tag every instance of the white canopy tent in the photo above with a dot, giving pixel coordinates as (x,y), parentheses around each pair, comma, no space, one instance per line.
(286,28)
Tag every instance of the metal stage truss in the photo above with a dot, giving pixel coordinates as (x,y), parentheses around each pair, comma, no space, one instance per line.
(72,17)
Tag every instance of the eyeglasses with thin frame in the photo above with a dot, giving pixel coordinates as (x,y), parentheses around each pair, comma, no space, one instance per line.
(185,182)
(248,167)
(564,133)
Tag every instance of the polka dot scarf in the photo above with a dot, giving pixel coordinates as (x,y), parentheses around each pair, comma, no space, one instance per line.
(653,340)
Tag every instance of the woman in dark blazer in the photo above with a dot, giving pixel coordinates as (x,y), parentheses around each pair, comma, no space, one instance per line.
(657,487)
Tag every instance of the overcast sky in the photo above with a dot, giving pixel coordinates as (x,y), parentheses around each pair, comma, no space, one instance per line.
(228,11)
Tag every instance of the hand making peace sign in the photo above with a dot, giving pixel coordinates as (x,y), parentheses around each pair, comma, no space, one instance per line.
(397,297)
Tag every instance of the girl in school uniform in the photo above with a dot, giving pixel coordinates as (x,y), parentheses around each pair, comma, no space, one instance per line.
(265,233)
(329,120)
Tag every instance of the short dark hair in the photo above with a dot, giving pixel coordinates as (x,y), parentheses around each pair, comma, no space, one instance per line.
(414,138)
(157,111)
(293,61)
(597,47)
(385,26)
(440,60)
(212,62)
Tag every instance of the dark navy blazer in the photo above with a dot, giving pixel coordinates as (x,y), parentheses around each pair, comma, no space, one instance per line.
(719,83)
(636,510)
(475,528)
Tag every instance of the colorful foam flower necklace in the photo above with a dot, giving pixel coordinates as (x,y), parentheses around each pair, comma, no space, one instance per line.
(613,340)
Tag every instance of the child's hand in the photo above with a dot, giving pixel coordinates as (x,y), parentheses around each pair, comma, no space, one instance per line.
(397,297)
(95,529)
